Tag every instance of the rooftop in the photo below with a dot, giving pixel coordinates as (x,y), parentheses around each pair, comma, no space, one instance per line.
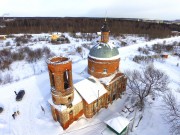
(106,51)
(90,89)
(118,123)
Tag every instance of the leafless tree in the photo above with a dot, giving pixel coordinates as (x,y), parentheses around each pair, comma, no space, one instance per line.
(172,113)
(146,82)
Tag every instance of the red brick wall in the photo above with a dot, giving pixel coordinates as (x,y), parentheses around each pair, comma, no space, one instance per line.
(104,37)
(91,109)
(96,67)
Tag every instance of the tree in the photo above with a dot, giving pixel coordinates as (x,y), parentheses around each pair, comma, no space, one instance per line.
(172,113)
(146,82)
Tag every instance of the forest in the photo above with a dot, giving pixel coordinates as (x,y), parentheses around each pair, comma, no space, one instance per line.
(86,25)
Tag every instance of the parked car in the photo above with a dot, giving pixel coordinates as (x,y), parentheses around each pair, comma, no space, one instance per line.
(1,109)
(20,95)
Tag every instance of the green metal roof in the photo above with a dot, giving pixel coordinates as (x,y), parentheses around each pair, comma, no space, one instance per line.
(104,50)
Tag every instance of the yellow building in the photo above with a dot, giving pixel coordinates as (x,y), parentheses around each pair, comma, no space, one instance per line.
(2,37)
(55,37)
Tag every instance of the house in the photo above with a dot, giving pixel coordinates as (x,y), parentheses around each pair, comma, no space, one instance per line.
(119,125)
(70,100)
(164,56)
(2,37)
(54,37)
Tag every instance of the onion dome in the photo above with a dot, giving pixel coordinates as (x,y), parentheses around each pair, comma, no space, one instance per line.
(104,51)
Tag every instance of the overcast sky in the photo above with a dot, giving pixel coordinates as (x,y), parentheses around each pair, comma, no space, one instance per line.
(149,9)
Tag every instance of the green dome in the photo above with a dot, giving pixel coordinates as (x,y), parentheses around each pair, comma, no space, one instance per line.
(104,51)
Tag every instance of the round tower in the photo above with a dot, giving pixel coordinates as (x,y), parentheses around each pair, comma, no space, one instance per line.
(103,58)
(60,74)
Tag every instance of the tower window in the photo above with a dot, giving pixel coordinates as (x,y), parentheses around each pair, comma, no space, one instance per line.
(66,80)
(92,69)
(70,105)
(52,78)
(69,99)
(71,112)
(105,71)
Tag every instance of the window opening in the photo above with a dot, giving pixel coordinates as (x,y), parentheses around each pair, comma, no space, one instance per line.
(105,71)
(52,78)
(66,80)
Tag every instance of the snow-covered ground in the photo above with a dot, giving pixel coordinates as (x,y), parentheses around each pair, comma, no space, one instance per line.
(34,79)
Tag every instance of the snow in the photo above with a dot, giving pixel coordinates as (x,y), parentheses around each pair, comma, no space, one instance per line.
(49,61)
(90,89)
(34,79)
(112,58)
(107,80)
(109,45)
(118,123)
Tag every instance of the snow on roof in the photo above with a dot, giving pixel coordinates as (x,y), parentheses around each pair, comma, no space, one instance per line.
(77,99)
(104,51)
(88,89)
(58,61)
(112,58)
(118,123)
(109,45)
(107,80)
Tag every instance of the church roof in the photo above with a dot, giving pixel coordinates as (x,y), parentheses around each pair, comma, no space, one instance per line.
(106,51)
(90,89)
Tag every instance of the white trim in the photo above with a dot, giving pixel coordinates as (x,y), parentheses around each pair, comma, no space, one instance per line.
(111,58)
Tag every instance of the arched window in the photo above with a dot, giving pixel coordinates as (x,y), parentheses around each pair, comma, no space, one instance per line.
(92,69)
(52,79)
(105,71)
(66,79)
(69,99)
(71,112)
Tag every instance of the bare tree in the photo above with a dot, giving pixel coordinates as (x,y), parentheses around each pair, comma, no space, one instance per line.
(172,113)
(146,82)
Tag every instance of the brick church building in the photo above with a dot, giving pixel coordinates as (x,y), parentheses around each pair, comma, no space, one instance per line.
(106,83)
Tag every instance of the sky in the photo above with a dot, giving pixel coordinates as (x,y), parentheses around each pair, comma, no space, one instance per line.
(148,9)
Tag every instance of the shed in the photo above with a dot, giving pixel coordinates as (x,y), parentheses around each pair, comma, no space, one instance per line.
(164,56)
(55,37)
(2,37)
(118,125)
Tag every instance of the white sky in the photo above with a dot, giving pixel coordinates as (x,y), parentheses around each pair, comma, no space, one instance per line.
(151,9)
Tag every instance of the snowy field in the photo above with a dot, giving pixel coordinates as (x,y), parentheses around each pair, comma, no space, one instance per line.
(34,79)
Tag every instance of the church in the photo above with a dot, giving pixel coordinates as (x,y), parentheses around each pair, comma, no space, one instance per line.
(86,97)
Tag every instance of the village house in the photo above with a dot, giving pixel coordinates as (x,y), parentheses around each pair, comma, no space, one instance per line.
(2,37)
(104,85)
